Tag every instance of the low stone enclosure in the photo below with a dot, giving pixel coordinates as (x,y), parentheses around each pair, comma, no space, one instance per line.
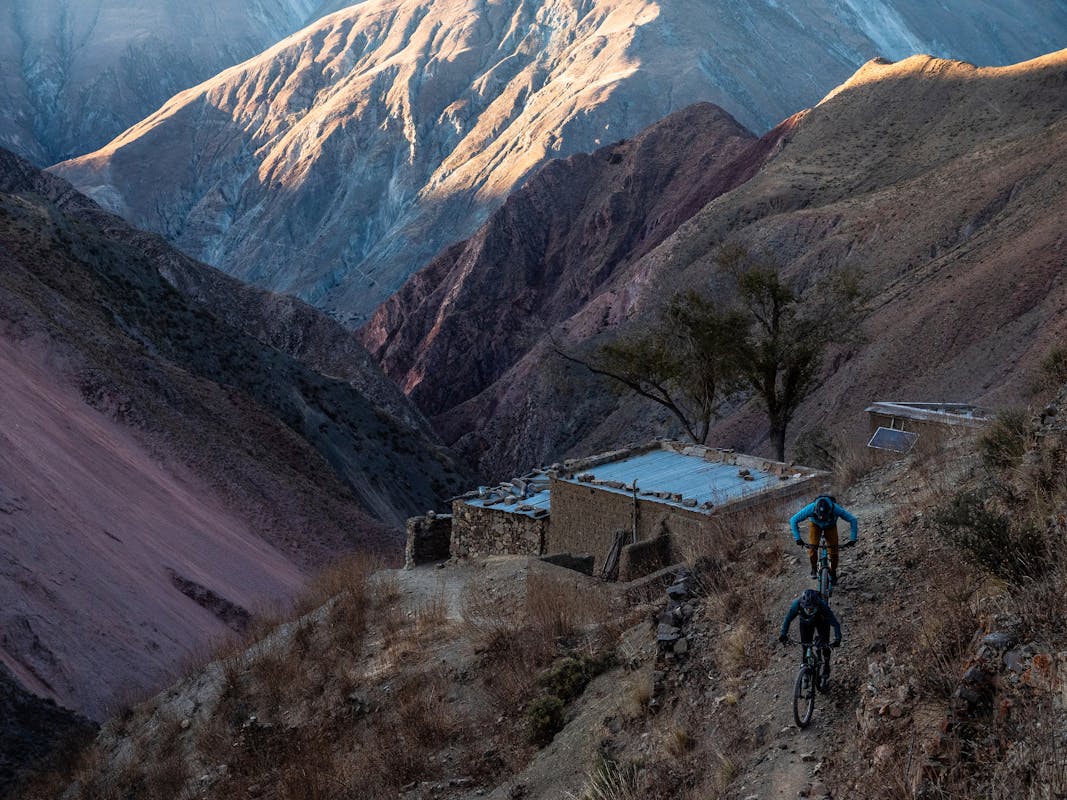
(633,510)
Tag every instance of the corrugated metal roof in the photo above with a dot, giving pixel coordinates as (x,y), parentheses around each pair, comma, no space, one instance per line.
(507,500)
(706,482)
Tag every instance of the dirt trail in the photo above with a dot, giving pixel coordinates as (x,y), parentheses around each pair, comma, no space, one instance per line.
(792,761)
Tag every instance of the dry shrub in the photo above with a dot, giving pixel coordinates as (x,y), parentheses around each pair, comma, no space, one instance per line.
(1045,602)
(414,724)
(716,560)
(853,460)
(610,780)
(430,618)
(79,766)
(554,609)
(385,589)
(941,642)
(638,695)
(1053,370)
(1006,439)
(1006,544)
(558,608)
(679,741)
(737,651)
(347,575)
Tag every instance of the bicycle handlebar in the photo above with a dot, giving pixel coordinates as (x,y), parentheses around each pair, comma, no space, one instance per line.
(810,546)
(819,643)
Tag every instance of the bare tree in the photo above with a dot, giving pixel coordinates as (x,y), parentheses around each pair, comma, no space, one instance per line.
(781,353)
(769,343)
(684,362)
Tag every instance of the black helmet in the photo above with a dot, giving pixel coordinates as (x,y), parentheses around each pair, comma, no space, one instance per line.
(824,509)
(809,601)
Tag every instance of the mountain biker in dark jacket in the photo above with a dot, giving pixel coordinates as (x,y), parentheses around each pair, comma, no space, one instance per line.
(823,514)
(815,616)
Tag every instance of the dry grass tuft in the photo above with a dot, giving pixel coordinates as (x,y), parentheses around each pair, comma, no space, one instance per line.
(610,780)
(853,460)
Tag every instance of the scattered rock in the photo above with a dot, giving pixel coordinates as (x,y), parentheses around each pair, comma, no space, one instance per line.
(999,640)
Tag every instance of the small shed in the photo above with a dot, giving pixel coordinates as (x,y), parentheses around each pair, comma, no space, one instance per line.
(923,417)
(511,518)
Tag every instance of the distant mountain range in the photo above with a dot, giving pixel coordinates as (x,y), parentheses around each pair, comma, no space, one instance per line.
(75,73)
(178,450)
(337,162)
(940,183)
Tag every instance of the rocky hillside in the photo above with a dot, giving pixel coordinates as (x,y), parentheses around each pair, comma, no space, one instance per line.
(508,677)
(165,474)
(336,163)
(78,72)
(935,181)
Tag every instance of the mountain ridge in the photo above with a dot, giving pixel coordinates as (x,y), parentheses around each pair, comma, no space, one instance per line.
(859,181)
(336,163)
(76,74)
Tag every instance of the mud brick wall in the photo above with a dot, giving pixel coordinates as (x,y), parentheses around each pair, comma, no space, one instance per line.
(644,558)
(585,518)
(487,531)
(428,539)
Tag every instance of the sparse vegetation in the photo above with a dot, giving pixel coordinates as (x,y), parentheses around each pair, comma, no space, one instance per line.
(544,718)
(1009,547)
(610,780)
(1002,445)
(1053,372)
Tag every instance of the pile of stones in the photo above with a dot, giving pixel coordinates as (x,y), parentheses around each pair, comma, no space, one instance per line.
(672,642)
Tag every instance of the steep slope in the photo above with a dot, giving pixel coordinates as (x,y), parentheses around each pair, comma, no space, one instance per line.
(78,72)
(33,732)
(463,321)
(936,180)
(336,163)
(163,474)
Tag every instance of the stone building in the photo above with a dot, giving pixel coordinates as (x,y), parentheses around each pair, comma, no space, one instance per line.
(663,502)
(632,510)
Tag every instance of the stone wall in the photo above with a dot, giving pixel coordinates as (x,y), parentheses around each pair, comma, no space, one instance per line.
(644,558)
(429,539)
(488,531)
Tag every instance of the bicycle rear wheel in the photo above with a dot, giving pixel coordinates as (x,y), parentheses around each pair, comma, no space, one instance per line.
(804,697)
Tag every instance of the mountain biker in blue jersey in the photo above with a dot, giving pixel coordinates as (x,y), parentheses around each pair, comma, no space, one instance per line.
(815,616)
(823,514)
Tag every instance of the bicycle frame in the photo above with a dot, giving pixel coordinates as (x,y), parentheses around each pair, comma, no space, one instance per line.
(826,586)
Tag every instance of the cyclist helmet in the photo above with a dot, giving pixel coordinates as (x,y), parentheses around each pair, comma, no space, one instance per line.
(824,509)
(809,602)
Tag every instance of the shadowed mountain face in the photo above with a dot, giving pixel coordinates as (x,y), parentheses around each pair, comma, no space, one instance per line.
(336,163)
(78,72)
(164,470)
(937,181)
(462,322)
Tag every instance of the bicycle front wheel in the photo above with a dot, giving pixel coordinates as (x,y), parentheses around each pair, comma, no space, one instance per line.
(804,697)
(825,588)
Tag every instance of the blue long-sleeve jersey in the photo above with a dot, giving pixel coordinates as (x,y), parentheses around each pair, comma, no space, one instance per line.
(823,613)
(808,512)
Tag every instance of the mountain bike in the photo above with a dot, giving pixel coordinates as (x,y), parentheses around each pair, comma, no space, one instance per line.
(809,679)
(826,585)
